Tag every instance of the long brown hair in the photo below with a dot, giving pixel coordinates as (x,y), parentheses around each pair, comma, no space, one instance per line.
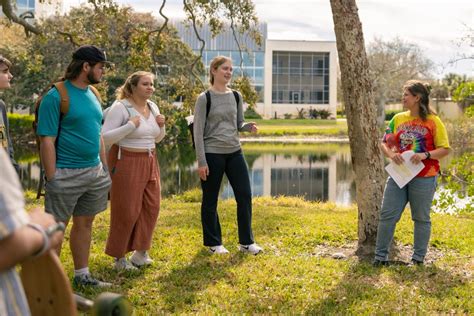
(421,89)
(216,63)
(74,69)
(125,91)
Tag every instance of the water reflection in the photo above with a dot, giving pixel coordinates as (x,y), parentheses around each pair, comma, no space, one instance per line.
(314,172)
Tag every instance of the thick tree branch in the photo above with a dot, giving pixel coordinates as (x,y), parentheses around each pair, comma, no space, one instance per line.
(455,60)
(7,9)
(232,27)
(70,37)
(158,36)
(203,43)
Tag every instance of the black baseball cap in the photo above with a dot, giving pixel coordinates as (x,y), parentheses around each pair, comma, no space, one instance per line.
(90,53)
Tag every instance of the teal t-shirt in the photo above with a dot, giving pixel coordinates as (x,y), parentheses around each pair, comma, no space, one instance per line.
(78,143)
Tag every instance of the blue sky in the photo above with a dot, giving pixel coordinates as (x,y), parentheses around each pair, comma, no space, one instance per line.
(436,26)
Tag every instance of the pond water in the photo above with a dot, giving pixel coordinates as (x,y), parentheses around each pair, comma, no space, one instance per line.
(316,172)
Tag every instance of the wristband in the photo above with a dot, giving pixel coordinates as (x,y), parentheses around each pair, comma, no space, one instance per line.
(427,154)
(45,246)
(56,227)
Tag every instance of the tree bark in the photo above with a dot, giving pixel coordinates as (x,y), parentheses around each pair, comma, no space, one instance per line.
(367,160)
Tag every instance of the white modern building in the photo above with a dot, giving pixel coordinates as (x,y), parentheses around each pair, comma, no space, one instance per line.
(299,75)
(288,75)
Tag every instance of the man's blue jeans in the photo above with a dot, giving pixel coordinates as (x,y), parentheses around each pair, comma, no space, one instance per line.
(419,192)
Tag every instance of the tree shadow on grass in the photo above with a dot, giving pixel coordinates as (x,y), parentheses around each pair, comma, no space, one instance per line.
(180,287)
(395,289)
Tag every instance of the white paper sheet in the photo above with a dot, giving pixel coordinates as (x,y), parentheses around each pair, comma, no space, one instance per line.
(402,174)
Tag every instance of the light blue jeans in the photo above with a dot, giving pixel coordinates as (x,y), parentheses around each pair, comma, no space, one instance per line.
(419,192)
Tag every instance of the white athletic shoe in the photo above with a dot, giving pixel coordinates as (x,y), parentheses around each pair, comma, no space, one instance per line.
(140,259)
(218,250)
(123,264)
(253,249)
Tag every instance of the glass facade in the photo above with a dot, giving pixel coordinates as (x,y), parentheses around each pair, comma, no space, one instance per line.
(23,6)
(300,77)
(252,66)
(224,44)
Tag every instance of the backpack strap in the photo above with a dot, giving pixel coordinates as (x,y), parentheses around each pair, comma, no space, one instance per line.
(237,100)
(208,103)
(129,107)
(96,93)
(63,97)
(153,108)
(236,96)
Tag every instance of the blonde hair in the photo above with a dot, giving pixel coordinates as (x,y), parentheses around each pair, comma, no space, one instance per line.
(126,91)
(216,63)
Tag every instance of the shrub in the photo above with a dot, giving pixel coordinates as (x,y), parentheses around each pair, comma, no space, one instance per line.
(250,113)
(341,113)
(21,128)
(459,184)
(390,114)
(301,113)
(287,116)
(324,114)
(470,111)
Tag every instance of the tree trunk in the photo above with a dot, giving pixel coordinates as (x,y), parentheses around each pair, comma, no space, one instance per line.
(361,114)
(381,112)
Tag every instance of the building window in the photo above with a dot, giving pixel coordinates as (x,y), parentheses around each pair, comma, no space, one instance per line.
(253,66)
(23,6)
(300,78)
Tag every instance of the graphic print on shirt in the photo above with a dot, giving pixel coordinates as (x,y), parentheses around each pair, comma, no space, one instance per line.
(413,137)
(405,132)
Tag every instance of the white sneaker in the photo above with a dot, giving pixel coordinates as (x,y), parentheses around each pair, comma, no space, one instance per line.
(123,264)
(218,250)
(253,249)
(140,259)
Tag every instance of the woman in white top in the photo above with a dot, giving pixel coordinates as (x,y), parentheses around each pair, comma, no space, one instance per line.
(133,126)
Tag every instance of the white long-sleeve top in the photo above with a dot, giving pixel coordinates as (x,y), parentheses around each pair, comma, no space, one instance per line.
(119,130)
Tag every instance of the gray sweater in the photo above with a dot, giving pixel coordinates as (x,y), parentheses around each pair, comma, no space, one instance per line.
(219,134)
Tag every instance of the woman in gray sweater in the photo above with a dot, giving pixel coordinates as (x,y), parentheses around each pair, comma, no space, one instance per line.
(218,151)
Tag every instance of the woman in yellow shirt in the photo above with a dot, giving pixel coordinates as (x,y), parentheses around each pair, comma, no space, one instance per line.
(421,130)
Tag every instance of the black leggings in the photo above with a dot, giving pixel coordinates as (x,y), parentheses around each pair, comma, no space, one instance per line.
(235,168)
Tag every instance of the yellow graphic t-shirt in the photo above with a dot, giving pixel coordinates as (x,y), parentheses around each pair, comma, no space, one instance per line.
(412,133)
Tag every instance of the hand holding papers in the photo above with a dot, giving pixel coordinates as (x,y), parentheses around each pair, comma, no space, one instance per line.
(403,173)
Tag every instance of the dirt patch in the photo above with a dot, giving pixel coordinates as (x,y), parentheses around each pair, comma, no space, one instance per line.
(399,253)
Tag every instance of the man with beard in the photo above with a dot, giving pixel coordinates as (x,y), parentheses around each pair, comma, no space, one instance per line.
(73,156)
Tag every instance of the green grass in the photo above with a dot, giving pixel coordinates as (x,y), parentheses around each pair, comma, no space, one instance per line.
(291,277)
(297,122)
(300,128)
(292,148)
